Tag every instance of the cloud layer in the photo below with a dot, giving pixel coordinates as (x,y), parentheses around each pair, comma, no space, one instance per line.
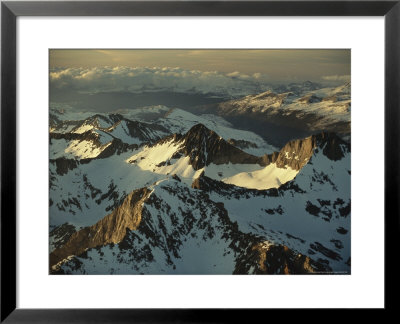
(136,79)
(344,78)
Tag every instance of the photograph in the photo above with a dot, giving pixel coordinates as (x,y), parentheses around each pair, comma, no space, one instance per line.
(199,161)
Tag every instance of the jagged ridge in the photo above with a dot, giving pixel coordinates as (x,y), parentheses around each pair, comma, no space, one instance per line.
(295,154)
(110,229)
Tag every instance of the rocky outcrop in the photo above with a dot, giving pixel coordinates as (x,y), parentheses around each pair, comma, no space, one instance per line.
(295,154)
(64,165)
(204,146)
(111,229)
(116,147)
(333,146)
(86,136)
(266,258)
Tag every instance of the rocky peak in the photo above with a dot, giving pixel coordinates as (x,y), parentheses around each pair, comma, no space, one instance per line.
(295,154)
(203,146)
(110,229)
(95,120)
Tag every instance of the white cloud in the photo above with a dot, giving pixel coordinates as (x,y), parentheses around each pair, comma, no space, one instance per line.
(344,78)
(109,79)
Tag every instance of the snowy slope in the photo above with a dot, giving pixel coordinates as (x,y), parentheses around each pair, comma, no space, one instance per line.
(268,177)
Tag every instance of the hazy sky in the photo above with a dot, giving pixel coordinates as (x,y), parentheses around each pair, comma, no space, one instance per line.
(276,64)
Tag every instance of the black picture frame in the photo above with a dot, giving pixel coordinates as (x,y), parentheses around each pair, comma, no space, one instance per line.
(10,10)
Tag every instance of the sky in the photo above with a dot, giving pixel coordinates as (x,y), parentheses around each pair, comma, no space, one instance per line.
(274,65)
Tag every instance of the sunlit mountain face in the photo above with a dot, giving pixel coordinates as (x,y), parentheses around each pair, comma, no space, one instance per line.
(160,170)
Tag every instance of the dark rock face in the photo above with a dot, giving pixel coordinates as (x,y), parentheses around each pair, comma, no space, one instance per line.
(116,147)
(86,136)
(334,147)
(204,146)
(63,165)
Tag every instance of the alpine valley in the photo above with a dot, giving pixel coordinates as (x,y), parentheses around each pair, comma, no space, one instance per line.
(258,184)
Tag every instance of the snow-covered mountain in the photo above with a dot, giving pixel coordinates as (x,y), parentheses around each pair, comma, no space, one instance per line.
(181,193)
(139,126)
(290,111)
(96,148)
(321,109)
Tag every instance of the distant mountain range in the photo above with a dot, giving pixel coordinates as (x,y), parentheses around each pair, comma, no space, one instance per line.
(289,111)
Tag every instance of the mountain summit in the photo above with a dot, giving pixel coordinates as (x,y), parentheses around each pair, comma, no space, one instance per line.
(204,146)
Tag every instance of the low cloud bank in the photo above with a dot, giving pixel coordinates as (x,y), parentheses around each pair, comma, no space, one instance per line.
(128,79)
(343,78)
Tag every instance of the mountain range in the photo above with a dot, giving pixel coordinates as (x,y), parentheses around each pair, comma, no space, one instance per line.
(160,190)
